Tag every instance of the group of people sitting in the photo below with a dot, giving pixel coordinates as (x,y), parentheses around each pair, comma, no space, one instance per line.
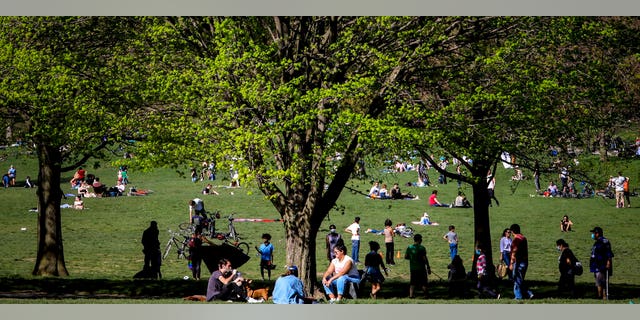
(381,192)
(88,185)
(461,201)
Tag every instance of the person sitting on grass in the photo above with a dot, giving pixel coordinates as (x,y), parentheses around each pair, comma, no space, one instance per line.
(461,201)
(434,202)
(425,221)
(565,224)
(289,289)
(78,204)
(396,194)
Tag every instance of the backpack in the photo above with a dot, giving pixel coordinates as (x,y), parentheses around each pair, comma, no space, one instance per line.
(577,268)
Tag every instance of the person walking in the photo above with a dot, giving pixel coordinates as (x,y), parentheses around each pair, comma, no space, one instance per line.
(491,186)
(519,262)
(601,262)
(331,239)
(419,267)
(372,264)
(566,261)
(151,250)
(452,238)
(354,229)
(266,255)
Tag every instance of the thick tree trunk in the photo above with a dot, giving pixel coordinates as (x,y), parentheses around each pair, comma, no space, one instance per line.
(301,247)
(50,257)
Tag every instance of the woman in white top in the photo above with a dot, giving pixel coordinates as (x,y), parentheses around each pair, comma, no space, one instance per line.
(339,274)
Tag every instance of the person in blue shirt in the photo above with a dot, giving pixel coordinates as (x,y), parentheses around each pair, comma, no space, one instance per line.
(289,288)
(601,262)
(266,255)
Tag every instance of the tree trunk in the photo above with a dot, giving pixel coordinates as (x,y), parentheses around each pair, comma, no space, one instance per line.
(50,257)
(482,225)
(301,246)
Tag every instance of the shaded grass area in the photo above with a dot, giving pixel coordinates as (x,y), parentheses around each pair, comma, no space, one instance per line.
(56,290)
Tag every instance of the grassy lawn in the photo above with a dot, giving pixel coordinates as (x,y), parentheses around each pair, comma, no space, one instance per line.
(103,251)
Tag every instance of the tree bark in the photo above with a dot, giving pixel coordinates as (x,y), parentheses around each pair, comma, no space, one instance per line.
(50,256)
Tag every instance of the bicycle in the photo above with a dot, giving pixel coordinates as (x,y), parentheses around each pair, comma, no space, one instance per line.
(181,245)
(231,237)
(208,224)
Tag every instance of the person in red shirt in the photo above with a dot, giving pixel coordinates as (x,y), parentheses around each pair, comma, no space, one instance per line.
(519,262)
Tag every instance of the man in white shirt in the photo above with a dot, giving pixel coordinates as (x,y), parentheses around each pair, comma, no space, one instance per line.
(196,206)
(354,229)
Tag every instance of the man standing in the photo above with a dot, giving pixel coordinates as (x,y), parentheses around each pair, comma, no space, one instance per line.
(601,263)
(519,262)
(618,183)
(151,250)
(419,268)
(354,229)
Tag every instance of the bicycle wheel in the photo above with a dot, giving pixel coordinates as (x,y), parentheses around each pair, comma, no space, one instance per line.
(185,226)
(243,246)
(167,249)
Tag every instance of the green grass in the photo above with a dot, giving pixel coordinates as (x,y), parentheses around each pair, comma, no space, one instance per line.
(103,250)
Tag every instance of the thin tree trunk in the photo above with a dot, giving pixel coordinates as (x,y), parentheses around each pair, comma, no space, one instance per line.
(50,257)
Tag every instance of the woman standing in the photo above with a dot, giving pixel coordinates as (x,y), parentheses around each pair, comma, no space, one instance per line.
(505,249)
(372,264)
(566,261)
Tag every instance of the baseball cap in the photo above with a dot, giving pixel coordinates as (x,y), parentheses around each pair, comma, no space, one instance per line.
(597,229)
(293,268)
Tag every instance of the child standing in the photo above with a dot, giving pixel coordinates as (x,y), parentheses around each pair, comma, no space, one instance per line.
(372,264)
(483,276)
(452,238)
(266,255)
(389,233)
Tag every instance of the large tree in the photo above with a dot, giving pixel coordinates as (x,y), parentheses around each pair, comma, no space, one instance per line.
(66,86)
(293,103)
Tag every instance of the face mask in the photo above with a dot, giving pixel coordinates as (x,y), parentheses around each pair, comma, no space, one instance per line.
(558,249)
(593,236)
(332,230)
(478,252)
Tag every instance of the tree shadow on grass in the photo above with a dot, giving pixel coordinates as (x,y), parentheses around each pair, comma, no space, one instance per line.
(66,288)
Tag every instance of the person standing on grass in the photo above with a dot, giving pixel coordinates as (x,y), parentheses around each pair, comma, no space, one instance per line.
(151,250)
(195,253)
(601,262)
(491,186)
(389,234)
(419,268)
(266,255)
(618,183)
(12,176)
(625,187)
(566,261)
(331,240)
(519,262)
(372,264)
(354,229)
(505,250)
(452,238)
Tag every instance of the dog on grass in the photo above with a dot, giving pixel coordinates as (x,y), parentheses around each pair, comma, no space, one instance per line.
(256,293)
